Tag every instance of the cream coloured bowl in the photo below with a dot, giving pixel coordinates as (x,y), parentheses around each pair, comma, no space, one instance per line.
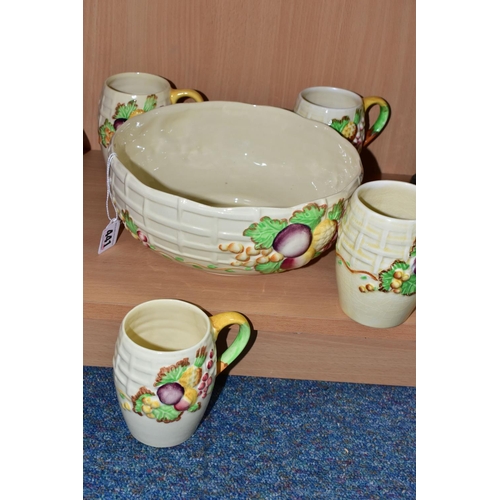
(232,188)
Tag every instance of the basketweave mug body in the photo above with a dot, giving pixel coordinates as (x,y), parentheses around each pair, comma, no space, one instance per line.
(376,253)
(344,111)
(165,365)
(126,95)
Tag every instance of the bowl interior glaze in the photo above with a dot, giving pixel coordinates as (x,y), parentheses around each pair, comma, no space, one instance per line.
(229,154)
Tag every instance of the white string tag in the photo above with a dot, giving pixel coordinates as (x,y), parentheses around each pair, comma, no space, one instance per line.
(110,233)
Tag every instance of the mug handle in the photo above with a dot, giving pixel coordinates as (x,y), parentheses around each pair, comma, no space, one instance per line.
(176,94)
(381,120)
(221,320)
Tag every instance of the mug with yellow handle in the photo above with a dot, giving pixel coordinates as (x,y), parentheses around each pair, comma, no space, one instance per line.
(165,365)
(344,111)
(126,95)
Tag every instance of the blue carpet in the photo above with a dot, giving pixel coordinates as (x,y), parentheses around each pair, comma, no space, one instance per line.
(260,438)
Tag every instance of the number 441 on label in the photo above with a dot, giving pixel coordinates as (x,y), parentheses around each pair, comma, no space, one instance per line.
(109,235)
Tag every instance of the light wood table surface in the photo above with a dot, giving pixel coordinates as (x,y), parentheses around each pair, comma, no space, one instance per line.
(300,331)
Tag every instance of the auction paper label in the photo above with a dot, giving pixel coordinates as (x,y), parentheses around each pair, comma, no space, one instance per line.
(109,235)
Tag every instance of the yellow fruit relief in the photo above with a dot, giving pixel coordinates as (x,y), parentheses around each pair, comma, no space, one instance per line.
(192,376)
(323,234)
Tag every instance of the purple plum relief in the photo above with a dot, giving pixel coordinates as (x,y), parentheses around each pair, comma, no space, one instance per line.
(170,394)
(293,241)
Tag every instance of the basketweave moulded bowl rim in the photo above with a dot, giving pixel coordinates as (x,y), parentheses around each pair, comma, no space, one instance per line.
(321,164)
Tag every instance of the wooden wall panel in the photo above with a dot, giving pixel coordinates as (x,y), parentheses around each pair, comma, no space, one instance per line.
(263,52)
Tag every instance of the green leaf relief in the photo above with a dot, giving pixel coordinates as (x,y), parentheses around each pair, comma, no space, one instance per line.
(166,413)
(194,407)
(337,210)
(198,362)
(139,403)
(264,232)
(172,376)
(399,265)
(335,124)
(310,215)
(357,116)
(268,267)
(106,131)
(409,287)
(106,126)
(211,266)
(150,103)
(386,280)
(131,225)
(339,125)
(364,277)
(125,110)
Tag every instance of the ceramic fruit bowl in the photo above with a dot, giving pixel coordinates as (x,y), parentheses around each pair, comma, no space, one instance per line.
(232,188)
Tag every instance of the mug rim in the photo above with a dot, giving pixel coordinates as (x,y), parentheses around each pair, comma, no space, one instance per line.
(406,185)
(153,352)
(332,90)
(149,76)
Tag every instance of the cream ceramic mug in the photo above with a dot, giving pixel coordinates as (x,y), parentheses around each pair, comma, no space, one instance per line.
(376,253)
(165,365)
(126,95)
(344,111)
